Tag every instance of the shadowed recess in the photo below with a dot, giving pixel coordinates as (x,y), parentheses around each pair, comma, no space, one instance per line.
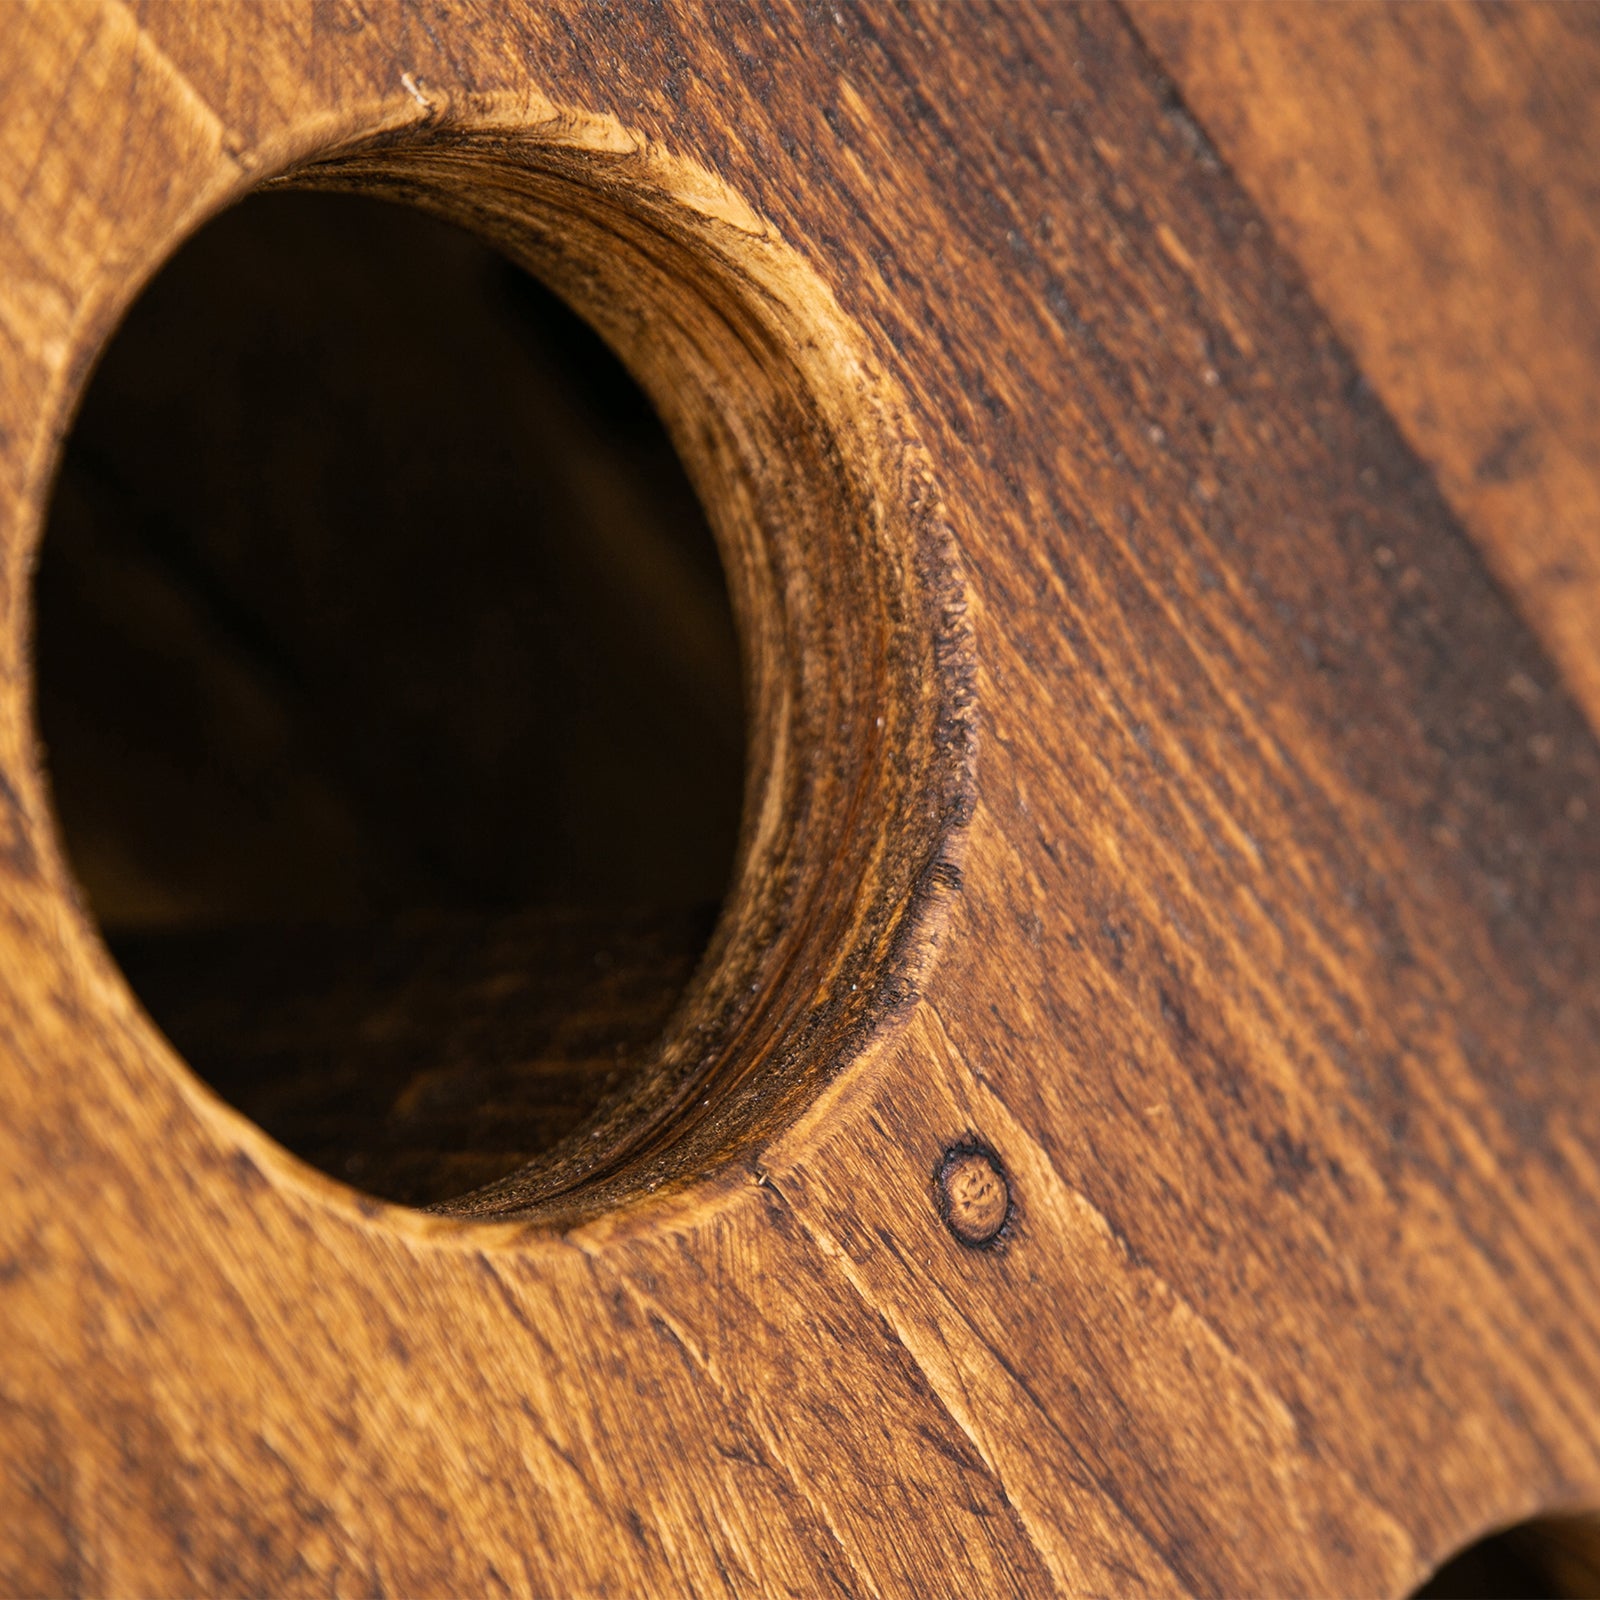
(390,691)
(1557,1558)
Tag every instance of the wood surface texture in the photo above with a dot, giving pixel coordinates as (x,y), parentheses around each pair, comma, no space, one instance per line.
(1168,801)
(1433,170)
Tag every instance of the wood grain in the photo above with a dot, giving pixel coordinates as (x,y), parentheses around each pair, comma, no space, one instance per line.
(1433,170)
(1228,867)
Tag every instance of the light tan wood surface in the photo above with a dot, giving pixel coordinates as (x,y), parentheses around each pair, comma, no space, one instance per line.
(1156,808)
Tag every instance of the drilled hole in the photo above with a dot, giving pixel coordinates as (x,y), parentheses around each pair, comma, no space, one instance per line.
(854,693)
(389,691)
(1557,1558)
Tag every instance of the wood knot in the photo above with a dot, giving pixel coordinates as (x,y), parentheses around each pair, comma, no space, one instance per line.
(974,1194)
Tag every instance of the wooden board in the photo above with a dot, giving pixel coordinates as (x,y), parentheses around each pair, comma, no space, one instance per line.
(1227,881)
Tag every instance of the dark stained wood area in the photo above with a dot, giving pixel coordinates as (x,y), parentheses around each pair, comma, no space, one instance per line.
(1433,170)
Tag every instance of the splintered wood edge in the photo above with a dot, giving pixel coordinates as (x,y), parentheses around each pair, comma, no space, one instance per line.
(851,608)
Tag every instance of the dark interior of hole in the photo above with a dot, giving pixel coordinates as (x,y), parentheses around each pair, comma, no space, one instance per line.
(389,691)
(1557,1558)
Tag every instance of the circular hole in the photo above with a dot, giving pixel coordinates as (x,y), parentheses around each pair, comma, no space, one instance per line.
(1557,1558)
(389,689)
(461,1043)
